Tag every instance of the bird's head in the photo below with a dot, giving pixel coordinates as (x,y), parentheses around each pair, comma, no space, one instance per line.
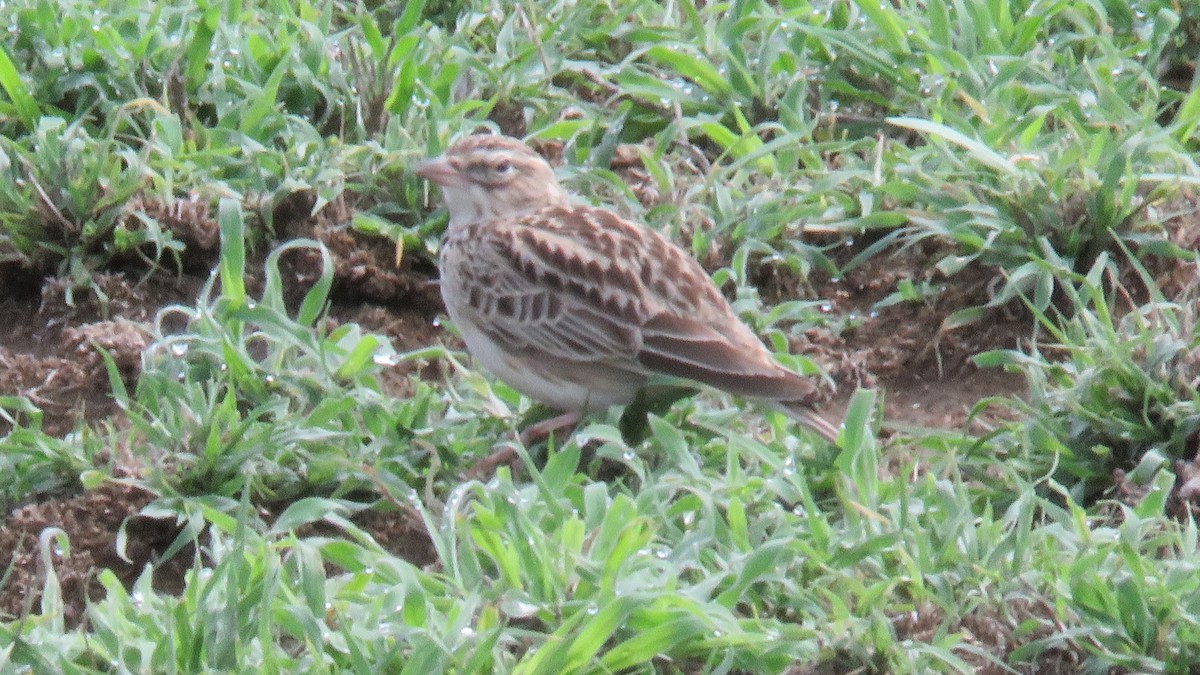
(492,177)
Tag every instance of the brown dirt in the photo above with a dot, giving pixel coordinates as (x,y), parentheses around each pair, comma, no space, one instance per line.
(49,337)
(923,371)
(91,521)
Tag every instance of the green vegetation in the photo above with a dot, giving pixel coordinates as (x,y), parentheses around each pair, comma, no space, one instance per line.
(1047,143)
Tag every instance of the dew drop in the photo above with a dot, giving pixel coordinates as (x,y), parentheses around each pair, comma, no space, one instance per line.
(519,608)
(383,359)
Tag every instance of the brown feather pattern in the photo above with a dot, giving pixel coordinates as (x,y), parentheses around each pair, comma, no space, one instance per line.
(575,305)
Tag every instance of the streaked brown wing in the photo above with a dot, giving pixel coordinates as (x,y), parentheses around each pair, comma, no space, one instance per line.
(727,356)
(527,305)
(584,284)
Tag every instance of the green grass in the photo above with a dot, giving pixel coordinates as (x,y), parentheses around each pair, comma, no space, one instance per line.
(1036,139)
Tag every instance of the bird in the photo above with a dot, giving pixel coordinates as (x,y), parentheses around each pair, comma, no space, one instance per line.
(575,306)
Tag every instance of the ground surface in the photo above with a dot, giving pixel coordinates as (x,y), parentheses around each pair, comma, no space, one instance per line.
(48,354)
(47,350)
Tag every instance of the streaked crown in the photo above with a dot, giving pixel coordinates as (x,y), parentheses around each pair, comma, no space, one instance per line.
(486,176)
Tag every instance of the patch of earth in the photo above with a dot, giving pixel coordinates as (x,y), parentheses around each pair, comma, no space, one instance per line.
(989,635)
(47,353)
(924,371)
(49,339)
(408,330)
(91,521)
(402,534)
(367,267)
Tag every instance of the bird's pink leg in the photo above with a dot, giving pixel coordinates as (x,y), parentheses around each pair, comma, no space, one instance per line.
(541,430)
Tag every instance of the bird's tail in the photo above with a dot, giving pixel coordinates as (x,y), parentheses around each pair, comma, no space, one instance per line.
(806,415)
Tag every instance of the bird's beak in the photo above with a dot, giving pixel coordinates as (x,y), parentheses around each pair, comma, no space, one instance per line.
(438,170)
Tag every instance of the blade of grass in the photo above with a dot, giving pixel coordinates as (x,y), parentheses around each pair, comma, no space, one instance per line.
(10,80)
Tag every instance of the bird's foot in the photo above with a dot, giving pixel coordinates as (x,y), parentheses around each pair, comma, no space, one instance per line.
(545,428)
(484,469)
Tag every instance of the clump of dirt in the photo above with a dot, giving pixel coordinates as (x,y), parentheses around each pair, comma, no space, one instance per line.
(1184,500)
(190,222)
(123,340)
(366,267)
(49,351)
(402,534)
(91,522)
(988,637)
(986,630)
(1173,276)
(924,369)
(408,331)
(56,385)
(627,163)
(109,295)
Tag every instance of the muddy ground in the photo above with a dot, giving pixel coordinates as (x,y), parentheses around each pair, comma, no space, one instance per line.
(47,354)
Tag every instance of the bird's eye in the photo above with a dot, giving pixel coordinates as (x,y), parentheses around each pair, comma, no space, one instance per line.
(503,166)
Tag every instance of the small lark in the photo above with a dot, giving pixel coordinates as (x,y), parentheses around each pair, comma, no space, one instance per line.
(575,306)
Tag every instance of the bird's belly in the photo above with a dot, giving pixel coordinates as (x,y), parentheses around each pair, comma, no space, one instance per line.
(566,386)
